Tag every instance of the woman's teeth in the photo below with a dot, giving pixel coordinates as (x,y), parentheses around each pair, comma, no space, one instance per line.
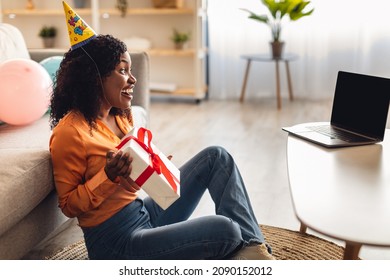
(127,91)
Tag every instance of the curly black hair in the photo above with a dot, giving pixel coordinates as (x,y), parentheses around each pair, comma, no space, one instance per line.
(78,85)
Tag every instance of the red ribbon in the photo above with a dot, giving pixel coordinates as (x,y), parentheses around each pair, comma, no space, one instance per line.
(156,164)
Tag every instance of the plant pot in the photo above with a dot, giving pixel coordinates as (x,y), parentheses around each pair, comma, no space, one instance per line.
(30,5)
(168,3)
(181,45)
(277,49)
(48,42)
(79,3)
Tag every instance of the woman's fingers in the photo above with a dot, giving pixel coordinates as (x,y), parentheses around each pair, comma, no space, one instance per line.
(118,164)
(125,169)
(113,158)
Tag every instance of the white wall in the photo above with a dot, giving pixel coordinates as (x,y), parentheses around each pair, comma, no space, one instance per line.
(352,35)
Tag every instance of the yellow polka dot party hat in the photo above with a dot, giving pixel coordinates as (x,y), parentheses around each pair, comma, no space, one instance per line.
(79,32)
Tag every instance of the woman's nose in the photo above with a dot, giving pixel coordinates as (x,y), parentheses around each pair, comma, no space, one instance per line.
(132,79)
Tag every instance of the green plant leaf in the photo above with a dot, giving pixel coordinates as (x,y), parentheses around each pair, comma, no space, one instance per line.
(283,7)
(48,32)
(278,9)
(272,6)
(180,37)
(297,10)
(262,18)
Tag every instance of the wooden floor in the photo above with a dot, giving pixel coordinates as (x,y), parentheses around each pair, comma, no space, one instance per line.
(251,132)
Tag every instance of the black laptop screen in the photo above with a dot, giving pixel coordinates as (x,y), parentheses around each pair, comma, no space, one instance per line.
(361,103)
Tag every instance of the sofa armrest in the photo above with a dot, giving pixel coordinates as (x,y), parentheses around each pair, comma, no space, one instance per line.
(140,69)
(40,54)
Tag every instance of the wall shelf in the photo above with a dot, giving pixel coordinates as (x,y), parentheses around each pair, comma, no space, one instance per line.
(149,11)
(113,11)
(42,12)
(185,68)
(151,52)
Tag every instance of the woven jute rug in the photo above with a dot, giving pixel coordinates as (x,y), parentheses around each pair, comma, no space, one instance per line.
(286,245)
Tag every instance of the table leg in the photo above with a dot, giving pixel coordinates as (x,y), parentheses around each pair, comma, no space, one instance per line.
(248,65)
(290,91)
(303,228)
(279,101)
(351,251)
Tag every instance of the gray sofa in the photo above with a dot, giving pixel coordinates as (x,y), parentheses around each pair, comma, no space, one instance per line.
(28,203)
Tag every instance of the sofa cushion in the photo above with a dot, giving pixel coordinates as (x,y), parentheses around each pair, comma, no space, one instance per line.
(33,136)
(26,179)
(25,167)
(32,229)
(25,170)
(12,44)
(140,116)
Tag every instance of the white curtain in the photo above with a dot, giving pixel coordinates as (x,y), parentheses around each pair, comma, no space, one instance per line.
(350,35)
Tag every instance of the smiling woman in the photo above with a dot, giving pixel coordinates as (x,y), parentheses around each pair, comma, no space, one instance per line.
(93,181)
(90,114)
(90,89)
(347,35)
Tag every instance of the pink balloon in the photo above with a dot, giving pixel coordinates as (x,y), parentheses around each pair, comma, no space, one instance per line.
(25,88)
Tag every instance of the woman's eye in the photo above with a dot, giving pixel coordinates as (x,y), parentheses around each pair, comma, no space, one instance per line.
(122,71)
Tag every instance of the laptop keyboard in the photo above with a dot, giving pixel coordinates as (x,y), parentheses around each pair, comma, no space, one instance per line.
(337,133)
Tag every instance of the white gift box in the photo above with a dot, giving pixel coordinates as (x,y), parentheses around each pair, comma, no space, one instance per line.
(151,169)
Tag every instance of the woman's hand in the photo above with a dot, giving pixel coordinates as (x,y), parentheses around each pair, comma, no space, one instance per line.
(118,164)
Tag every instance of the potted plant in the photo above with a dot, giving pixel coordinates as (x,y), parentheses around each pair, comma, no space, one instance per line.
(79,4)
(48,34)
(175,4)
(122,5)
(278,9)
(180,39)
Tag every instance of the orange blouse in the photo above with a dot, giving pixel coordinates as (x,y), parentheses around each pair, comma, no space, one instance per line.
(84,190)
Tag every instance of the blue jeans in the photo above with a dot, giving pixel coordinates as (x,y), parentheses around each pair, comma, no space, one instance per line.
(142,230)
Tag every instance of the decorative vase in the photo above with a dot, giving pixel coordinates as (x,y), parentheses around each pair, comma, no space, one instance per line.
(79,4)
(168,3)
(48,42)
(30,5)
(181,45)
(277,49)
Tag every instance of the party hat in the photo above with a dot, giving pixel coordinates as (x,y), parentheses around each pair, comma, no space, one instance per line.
(79,32)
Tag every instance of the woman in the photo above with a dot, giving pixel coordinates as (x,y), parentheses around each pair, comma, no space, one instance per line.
(90,113)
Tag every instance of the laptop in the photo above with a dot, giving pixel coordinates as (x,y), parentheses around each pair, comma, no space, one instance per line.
(359,113)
